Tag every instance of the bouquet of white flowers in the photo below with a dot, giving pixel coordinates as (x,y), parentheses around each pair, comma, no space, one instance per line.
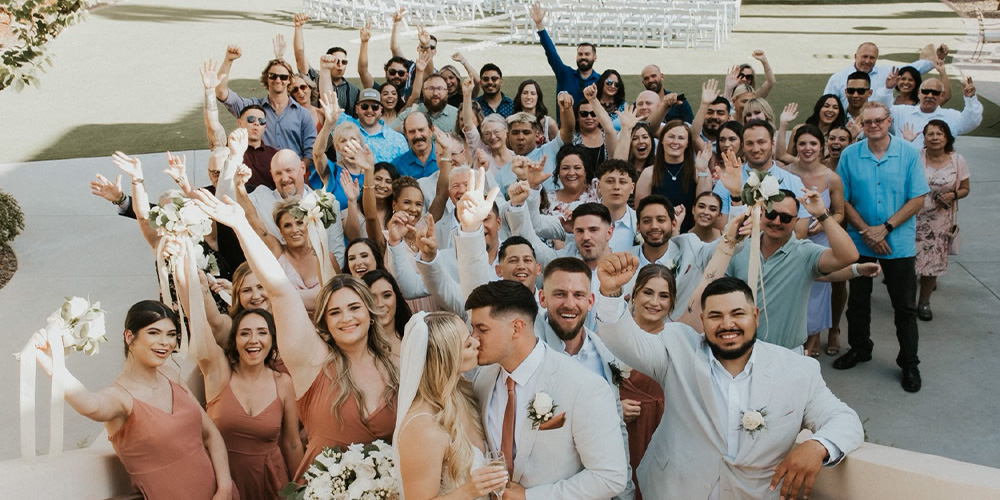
(180,216)
(763,188)
(317,205)
(362,472)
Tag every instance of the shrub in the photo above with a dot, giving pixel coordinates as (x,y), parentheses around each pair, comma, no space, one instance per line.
(11,218)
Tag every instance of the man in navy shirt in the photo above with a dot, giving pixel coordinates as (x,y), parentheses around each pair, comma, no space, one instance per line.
(567,79)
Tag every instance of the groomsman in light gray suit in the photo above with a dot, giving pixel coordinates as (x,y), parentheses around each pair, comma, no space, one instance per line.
(736,405)
(555,421)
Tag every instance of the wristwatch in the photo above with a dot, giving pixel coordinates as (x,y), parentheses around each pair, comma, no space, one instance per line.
(735,199)
(888,227)
(824,216)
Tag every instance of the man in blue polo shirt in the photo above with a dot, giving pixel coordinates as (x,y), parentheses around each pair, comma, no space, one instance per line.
(884,188)
(418,161)
(567,79)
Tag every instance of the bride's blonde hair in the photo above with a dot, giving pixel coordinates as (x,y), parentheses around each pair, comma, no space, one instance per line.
(451,397)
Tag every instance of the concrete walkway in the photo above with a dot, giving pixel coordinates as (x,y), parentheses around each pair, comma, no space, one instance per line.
(137,62)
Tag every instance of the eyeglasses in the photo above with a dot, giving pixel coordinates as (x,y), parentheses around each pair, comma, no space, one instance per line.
(490,78)
(214,173)
(276,76)
(436,89)
(932,92)
(855,90)
(300,88)
(588,114)
(395,72)
(611,83)
(874,121)
(374,106)
(785,218)
(259,121)
(340,62)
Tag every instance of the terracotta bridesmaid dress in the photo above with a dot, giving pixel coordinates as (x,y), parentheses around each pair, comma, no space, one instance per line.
(649,394)
(164,453)
(323,428)
(255,460)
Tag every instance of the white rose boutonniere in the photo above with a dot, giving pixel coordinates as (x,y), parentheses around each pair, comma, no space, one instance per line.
(752,421)
(540,409)
(619,372)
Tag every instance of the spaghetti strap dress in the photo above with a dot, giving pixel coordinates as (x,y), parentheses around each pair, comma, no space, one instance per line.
(164,453)
(255,460)
(325,429)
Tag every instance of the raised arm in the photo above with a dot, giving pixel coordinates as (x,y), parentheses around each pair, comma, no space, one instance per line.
(140,201)
(627,121)
(610,140)
(177,170)
(352,221)
(770,80)
(459,58)
(567,120)
(299,43)
(442,151)
(715,268)
(655,118)
(214,130)
(732,80)
(421,64)
(709,93)
(325,83)
(104,406)
(397,17)
(233,53)
(243,174)
(330,107)
(781,154)
(468,114)
(365,35)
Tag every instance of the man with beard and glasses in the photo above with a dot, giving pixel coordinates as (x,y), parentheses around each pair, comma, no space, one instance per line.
(678,108)
(493,100)
(419,161)
(736,404)
(912,119)
(385,143)
(435,104)
(567,79)
(790,265)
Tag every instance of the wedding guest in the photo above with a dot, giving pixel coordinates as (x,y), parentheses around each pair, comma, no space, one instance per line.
(914,118)
(301,92)
(948,179)
(635,142)
(837,139)
(744,74)
(391,103)
(706,213)
(326,175)
(341,364)
(362,256)
(758,109)
(529,99)
(493,100)
(611,94)
(394,312)
(827,114)
(677,173)
(594,130)
(155,425)
(908,81)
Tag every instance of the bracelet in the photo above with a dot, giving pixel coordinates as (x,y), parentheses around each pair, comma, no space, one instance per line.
(824,216)
(702,174)
(854,271)
(120,200)
(615,294)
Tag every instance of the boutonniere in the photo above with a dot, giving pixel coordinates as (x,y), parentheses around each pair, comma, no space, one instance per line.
(752,421)
(671,265)
(540,409)
(619,372)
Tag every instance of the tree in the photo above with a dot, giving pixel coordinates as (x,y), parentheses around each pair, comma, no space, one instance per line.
(32,24)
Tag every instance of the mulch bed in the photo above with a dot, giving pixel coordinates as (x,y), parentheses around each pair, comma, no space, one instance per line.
(990,8)
(8,264)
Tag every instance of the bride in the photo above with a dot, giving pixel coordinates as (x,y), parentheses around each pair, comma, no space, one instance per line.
(438,435)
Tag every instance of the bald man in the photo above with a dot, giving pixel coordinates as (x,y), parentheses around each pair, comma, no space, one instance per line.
(865,59)
(652,79)
(913,118)
(645,102)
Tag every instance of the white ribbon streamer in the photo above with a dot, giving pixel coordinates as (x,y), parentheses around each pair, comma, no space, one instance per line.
(54,336)
(320,245)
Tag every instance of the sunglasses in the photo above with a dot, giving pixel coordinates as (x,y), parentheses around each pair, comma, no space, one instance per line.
(855,90)
(340,62)
(932,92)
(611,83)
(432,47)
(785,218)
(588,114)
(275,76)
(395,72)
(258,121)
(746,76)
(490,78)
(300,88)
(374,106)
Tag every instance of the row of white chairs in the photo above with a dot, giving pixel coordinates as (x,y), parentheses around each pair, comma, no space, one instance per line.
(354,13)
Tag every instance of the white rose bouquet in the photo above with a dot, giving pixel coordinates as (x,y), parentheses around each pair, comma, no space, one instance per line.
(763,188)
(179,216)
(317,205)
(362,472)
(80,324)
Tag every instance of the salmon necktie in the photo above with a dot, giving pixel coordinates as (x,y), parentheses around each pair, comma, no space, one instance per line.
(507,437)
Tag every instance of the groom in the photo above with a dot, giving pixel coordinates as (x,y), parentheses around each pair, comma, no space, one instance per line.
(556,422)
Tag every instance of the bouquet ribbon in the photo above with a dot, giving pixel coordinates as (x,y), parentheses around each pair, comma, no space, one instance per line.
(320,245)
(755,275)
(27,395)
(163,271)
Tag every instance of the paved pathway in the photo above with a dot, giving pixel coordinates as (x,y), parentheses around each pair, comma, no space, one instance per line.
(74,243)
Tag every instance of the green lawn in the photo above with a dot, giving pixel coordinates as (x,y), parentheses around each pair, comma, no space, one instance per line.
(189,131)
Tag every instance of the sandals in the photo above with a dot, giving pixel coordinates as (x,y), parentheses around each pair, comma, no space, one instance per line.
(811,347)
(833,342)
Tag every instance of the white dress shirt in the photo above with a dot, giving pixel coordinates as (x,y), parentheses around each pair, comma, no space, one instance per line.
(960,122)
(623,234)
(587,356)
(838,81)
(525,377)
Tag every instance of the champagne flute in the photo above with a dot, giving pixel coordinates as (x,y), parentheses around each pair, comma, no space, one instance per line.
(496,459)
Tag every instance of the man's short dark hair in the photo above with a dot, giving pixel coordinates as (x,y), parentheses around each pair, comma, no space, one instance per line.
(243,111)
(755,124)
(490,67)
(398,59)
(789,194)
(568,265)
(860,75)
(725,286)
(592,209)
(333,50)
(723,100)
(514,240)
(614,165)
(504,297)
(588,44)
(656,199)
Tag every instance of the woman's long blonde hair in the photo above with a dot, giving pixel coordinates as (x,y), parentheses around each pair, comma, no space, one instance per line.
(448,394)
(337,362)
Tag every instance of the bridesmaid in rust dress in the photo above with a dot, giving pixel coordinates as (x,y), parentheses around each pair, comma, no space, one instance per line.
(168,445)
(251,403)
(342,368)
(642,397)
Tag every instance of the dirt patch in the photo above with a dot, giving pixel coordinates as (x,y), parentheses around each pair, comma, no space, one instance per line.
(990,8)
(8,264)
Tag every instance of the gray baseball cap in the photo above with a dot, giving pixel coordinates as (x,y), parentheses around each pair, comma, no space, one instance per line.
(370,95)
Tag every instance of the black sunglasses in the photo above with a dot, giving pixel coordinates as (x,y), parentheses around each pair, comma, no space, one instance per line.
(365,106)
(301,88)
(275,76)
(588,114)
(855,90)
(395,72)
(932,92)
(785,218)
(259,121)
(610,83)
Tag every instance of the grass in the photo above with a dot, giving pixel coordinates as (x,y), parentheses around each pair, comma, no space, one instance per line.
(189,132)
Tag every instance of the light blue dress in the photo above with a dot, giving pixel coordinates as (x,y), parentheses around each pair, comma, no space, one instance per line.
(818,314)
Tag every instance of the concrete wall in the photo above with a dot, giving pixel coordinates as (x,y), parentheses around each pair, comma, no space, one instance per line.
(92,473)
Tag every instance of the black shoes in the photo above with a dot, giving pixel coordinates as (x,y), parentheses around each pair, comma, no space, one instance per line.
(851,359)
(924,312)
(911,379)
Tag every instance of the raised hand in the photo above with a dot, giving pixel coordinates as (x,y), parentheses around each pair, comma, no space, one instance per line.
(668,101)
(791,112)
(329,105)
(854,127)
(627,118)
(733,77)
(443,145)
(238,143)
(615,270)
(680,212)
(538,15)
(366,31)
(326,62)
(535,172)
(298,20)
(279,46)
(225,211)
(106,189)
(759,55)
(468,85)
(128,164)
(397,16)
(968,88)
(361,155)
(474,206)
(177,169)
(210,76)
(398,227)
(426,239)
(812,202)
(423,37)
(907,132)
(730,173)
(590,92)
(709,91)
(892,79)
(939,65)
(942,52)
(565,101)
(423,59)
(519,167)
(242,175)
(517,193)
(702,160)
(233,53)
(350,185)
(458,57)
(482,159)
